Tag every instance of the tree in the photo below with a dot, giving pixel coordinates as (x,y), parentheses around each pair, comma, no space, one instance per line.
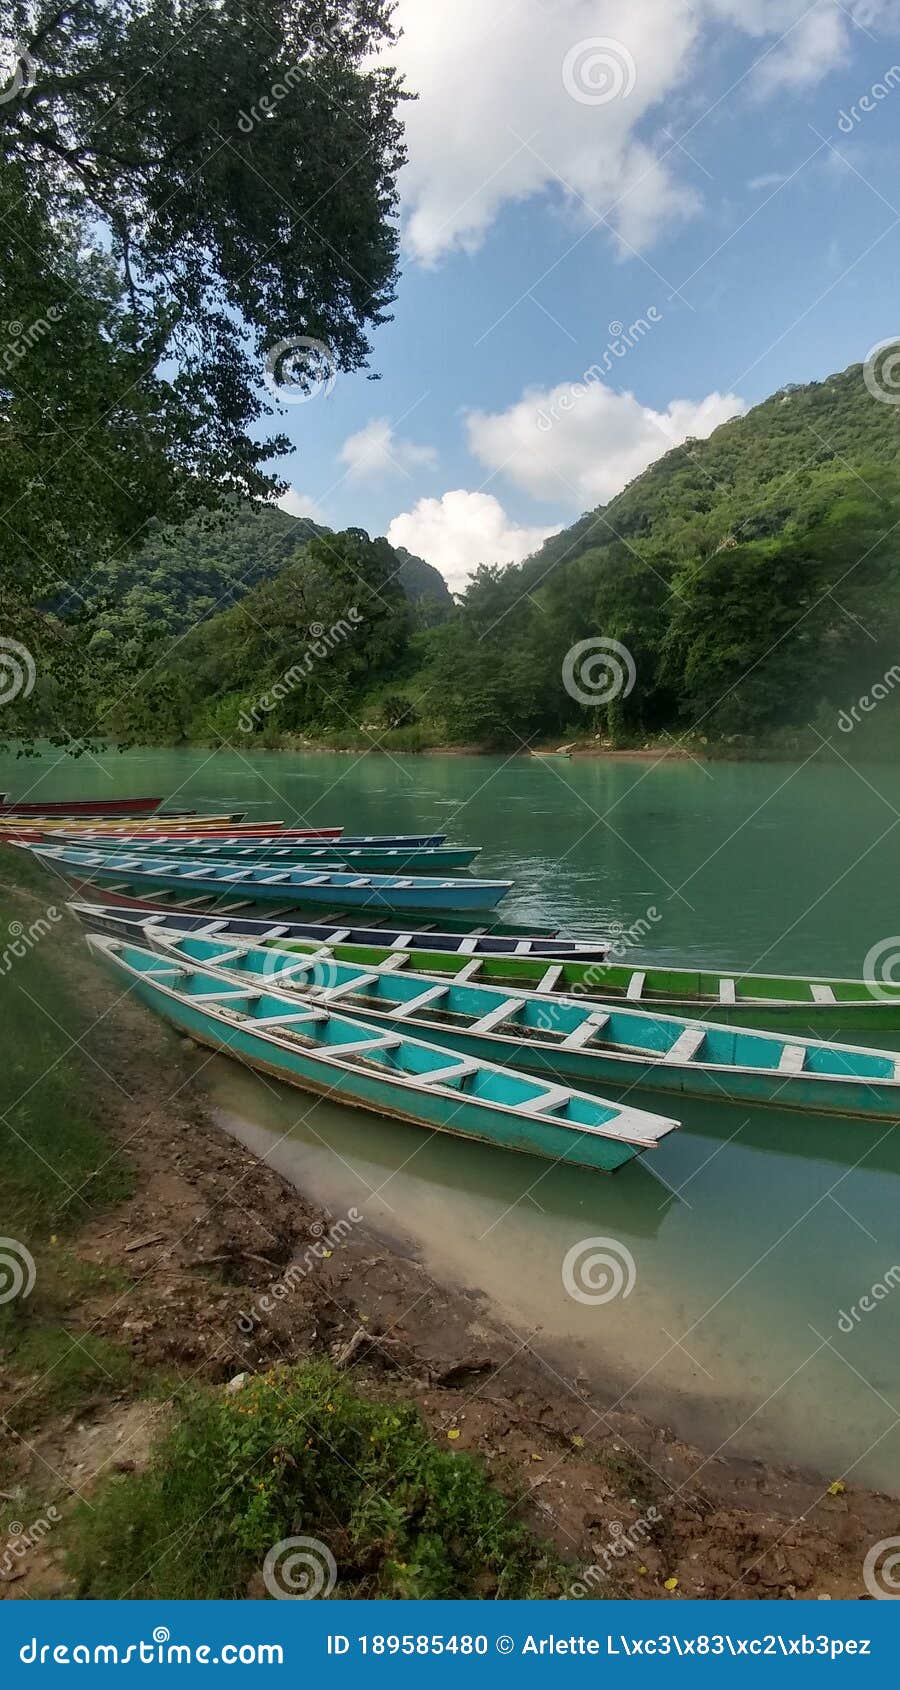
(191,194)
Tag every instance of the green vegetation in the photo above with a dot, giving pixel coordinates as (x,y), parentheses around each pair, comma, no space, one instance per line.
(150,276)
(296,1453)
(753,577)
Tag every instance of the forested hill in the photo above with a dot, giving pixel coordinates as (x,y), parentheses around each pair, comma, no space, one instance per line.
(177,578)
(754,578)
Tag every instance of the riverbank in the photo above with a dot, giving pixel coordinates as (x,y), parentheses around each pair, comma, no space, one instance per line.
(165,1265)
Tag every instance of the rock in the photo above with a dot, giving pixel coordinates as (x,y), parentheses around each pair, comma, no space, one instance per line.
(236,1384)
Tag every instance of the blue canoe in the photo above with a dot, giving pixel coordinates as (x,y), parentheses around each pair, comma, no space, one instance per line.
(384,1071)
(366,859)
(266,884)
(572,1040)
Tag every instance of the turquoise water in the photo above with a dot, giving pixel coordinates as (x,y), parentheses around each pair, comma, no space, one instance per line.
(750,1230)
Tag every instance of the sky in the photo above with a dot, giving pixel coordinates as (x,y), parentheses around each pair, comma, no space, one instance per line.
(623,221)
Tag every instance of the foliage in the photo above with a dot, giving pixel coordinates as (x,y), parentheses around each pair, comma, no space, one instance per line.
(296,1452)
(183,189)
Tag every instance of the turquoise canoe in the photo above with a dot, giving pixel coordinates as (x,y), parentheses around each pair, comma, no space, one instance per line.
(375,859)
(575,1041)
(270,885)
(93,837)
(384,1071)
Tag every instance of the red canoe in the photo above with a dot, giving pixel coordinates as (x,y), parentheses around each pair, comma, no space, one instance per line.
(84,807)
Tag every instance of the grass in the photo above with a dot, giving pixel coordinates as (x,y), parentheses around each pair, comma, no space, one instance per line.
(297,1453)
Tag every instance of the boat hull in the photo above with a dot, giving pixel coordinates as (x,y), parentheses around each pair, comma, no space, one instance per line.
(369,1091)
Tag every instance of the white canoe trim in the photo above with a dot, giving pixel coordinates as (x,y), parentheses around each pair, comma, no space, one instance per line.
(635,987)
(728,991)
(501,1011)
(793,1059)
(686,1045)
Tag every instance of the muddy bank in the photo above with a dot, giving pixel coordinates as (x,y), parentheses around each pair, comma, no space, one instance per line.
(220,1267)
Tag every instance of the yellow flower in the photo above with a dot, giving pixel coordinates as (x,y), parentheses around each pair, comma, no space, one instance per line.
(578,1440)
(670,1584)
(837,1488)
(453,1432)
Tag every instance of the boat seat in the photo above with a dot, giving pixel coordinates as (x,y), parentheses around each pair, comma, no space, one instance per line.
(590,1026)
(727,992)
(276,879)
(553,1099)
(361,880)
(404,883)
(501,1012)
(290,1017)
(457,1070)
(792,1059)
(401,1010)
(377,1041)
(395,962)
(523,948)
(467,946)
(402,941)
(315,880)
(686,1045)
(227,995)
(469,970)
(635,987)
(547,981)
(340,935)
(822,993)
(358,984)
(212,927)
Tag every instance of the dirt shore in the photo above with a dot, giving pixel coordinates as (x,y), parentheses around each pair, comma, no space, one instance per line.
(210,1230)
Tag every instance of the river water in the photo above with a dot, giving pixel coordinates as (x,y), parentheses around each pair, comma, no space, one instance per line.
(754,1232)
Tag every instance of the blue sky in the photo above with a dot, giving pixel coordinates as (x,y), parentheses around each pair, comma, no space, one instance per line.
(576,164)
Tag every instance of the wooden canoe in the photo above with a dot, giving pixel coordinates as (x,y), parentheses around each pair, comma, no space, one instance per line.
(576,1041)
(386,1071)
(125,917)
(375,859)
(82,807)
(264,884)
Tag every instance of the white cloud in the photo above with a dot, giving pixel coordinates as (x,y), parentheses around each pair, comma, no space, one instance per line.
(581,442)
(376,451)
(495,121)
(551,96)
(300,504)
(462,530)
